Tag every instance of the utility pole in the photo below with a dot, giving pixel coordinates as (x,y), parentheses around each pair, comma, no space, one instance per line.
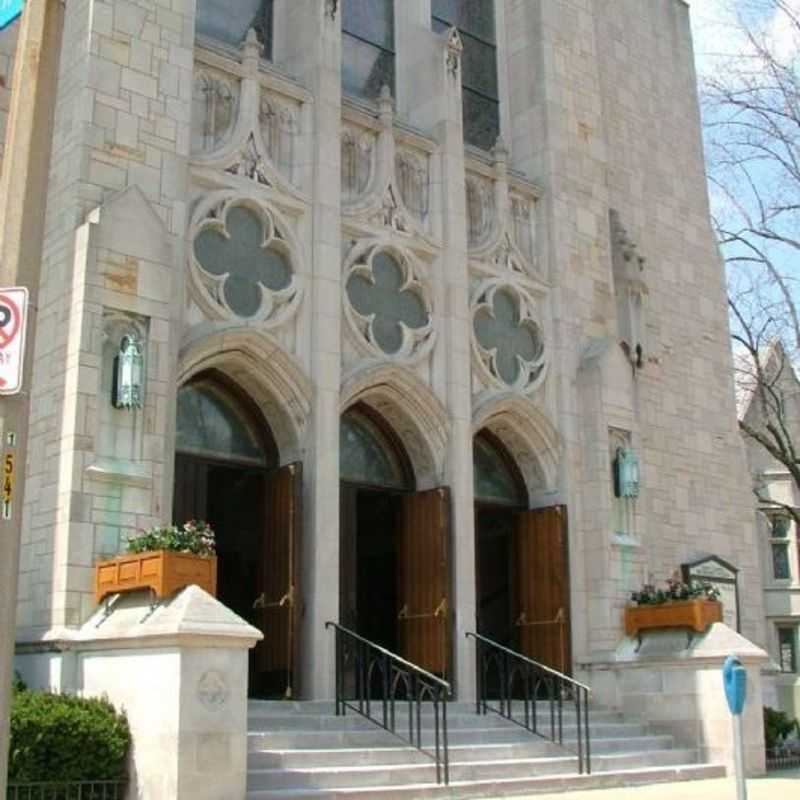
(23,189)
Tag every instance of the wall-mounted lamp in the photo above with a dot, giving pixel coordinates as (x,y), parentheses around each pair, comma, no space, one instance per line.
(626,473)
(128,388)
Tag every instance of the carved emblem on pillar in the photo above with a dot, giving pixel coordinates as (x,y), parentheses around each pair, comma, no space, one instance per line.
(331,9)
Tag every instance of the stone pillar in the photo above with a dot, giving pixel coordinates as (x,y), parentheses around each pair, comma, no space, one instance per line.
(672,679)
(179,671)
(435,82)
(111,261)
(315,28)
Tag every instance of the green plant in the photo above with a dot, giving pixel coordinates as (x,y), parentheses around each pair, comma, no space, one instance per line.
(194,536)
(62,738)
(18,685)
(777,727)
(650,595)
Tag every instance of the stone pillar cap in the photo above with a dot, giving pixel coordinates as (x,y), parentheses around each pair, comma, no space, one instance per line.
(191,618)
(675,645)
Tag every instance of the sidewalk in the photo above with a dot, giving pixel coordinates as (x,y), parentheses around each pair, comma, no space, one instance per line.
(783,785)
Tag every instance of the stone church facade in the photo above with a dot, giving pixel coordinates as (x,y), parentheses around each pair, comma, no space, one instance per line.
(405,279)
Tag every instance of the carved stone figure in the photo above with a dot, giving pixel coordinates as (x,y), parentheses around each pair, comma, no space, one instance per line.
(214,103)
(412,174)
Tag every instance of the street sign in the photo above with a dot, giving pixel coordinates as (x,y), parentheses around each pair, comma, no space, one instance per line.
(9,11)
(13,313)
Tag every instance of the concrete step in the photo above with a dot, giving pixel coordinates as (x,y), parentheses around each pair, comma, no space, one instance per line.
(530,748)
(401,774)
(370,735)
(499,785)
(289,721)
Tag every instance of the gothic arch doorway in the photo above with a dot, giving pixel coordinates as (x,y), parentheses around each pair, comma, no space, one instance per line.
(227,473)
(394,574)
(521,561)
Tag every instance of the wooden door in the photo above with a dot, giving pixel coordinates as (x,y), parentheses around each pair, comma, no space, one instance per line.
(540,586)
(190,499)
(348,564)
(423,580)
(279,600)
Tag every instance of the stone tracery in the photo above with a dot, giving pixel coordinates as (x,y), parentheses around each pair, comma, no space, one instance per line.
(387,305)
(243,262)
(507,338)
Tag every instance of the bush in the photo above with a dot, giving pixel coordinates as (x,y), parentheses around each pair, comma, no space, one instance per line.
(62,738)
(777,726)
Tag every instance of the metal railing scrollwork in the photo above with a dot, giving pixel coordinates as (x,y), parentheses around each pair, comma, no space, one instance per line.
(383,687)
(522,686)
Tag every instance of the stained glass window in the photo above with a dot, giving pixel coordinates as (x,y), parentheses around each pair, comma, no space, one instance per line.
(365,455)
(211,423)
(229,22)
(493,479)
(502,329)
(367,47)
(480,93)
(239,258)
(384,299)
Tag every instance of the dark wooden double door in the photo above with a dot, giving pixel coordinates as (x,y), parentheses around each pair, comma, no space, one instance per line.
(255,513)
(395,572)
(522,573)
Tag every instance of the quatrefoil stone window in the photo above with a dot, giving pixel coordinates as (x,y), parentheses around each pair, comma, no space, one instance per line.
(244,261)
(509,341)
(387,305)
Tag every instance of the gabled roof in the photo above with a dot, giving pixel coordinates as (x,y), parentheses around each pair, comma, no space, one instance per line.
(744,369)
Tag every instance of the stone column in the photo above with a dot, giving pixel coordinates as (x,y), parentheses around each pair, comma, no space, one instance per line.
(315,28)
(435,82)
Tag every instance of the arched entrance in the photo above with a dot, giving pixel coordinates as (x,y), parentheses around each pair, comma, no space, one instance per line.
(227,473)
(521,561)
(394,561)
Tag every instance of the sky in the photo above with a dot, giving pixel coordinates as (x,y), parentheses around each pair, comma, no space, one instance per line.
(715,34)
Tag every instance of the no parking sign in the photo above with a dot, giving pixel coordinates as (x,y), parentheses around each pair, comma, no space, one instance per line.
(13,313)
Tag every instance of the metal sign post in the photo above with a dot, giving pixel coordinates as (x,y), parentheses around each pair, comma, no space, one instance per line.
(735,677)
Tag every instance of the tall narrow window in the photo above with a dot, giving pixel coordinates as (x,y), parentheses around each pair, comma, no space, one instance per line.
(475,22)
(229,22)
(367,47)
(787,647)
(779,543)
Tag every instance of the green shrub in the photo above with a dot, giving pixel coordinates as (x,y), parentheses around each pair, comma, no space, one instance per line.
(777,726)
(62,738)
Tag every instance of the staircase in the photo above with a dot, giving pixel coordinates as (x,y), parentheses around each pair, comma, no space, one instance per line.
(302,750)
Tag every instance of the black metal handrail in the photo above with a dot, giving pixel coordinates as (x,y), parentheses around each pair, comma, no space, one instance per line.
(519,678)
(382,680)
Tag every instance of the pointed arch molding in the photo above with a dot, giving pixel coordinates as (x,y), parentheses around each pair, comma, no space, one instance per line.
(263,369)
(412,410)
(528,435)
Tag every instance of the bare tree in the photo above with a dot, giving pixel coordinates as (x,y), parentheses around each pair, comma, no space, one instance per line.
(751,106)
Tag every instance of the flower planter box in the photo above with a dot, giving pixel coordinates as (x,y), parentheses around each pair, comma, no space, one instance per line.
(694,614)
(163,571)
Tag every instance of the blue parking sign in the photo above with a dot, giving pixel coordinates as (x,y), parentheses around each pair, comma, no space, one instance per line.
(9,11)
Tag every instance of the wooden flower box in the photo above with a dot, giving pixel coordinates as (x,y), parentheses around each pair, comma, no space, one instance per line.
(163,571)
(694,614)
